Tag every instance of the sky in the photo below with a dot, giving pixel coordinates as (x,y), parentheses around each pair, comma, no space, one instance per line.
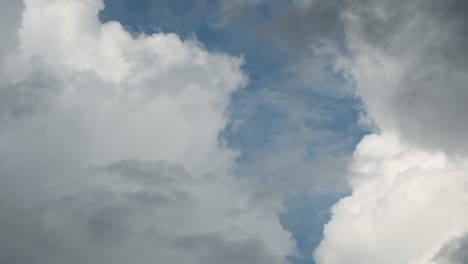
(233,131)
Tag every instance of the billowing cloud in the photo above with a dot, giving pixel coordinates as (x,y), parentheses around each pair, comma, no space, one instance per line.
(406,204)
(409,180)
(109,148)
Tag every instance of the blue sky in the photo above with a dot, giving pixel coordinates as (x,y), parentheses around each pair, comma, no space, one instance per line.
(267,116)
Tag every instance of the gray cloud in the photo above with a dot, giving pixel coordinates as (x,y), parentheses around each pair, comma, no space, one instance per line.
(10,18)
(413,54)
(151,172)
(299,26)
(408,61)
(454,251)
(18,100)
(217,249)
(134,221)
(293,26)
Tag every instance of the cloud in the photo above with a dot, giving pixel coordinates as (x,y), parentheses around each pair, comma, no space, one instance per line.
(292,26)
(125,94)
(9,22)
(453,252)
(409,178)
(410,69)
(406,203)
(109,147)
(167,215)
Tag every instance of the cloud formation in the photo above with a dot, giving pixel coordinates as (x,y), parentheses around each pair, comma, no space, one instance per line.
(144,212)
(406,204)
(292,26)
(109,148)
(453,252)
(408,60)
(409,179)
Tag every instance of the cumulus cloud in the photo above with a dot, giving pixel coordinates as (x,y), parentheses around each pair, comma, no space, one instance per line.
(406,204)
(109,148)
(409,179)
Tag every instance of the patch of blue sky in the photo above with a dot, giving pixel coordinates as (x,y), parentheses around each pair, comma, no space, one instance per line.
(300,112)
(305,218)
(187,18)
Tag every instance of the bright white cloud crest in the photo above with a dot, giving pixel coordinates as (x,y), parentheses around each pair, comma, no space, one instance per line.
(109,147)
(405,205)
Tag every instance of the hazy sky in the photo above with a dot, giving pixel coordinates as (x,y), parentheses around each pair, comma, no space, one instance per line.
(233,131)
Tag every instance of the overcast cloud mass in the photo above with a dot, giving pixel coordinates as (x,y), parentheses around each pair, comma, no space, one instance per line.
(226,132)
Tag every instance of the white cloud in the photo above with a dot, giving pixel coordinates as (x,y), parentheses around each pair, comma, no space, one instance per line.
(406,204)
(79,96)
